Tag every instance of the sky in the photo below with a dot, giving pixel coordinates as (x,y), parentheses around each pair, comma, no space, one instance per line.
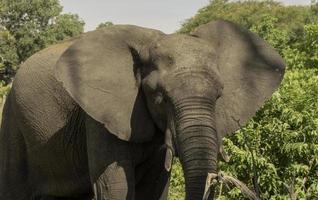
(165,15)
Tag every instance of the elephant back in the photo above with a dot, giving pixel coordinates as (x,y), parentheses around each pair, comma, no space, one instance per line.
(43,107)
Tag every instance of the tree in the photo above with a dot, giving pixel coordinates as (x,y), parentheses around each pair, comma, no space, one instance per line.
(65,26)
(269,29)
(251,12)
(37,23)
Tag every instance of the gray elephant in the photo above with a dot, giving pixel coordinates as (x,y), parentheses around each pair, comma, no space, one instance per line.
(102,116)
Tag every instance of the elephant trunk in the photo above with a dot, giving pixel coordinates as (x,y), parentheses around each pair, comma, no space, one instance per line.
(197,143)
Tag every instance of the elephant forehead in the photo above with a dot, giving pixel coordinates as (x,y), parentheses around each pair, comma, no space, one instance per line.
(183,46)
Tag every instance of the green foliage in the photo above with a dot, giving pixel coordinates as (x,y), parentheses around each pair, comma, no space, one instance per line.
(8,55)
(27,21)
(304,51)
(8,51)
(34,24)
(4,89)
(269,29)
(284,136)
(105,24)
(65,26)
(249,13)
(176,190)
(299,52)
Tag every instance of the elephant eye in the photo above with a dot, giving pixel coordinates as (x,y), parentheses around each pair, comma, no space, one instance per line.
(154,60)
(159,99)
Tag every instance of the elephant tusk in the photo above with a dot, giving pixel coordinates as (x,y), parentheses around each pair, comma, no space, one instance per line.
(169,158)
(210,181)
(97,192)
(170,150)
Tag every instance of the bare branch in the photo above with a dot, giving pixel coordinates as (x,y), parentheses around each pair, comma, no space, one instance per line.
(291,188)
(244,189)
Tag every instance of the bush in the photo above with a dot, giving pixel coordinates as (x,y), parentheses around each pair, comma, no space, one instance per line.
(176,190)
(4,89)
(3,92)
(284,139)
(303,53)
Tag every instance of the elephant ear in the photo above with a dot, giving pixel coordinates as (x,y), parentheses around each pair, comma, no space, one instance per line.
(249,68)
(101,73)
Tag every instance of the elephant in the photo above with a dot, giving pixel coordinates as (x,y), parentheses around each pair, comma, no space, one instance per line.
(104,114)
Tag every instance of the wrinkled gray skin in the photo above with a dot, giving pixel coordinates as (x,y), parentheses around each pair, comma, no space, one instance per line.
(104,114)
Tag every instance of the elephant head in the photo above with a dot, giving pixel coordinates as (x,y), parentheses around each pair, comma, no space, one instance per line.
(194,88)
